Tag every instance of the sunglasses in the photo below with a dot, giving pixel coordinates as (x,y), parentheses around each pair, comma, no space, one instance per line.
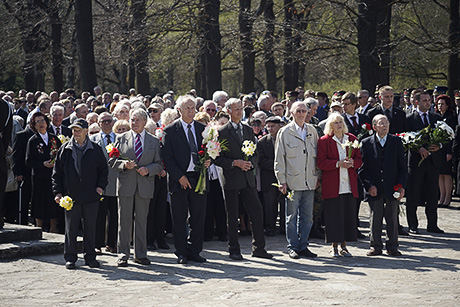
(153,111)
(209,110)
(107,121)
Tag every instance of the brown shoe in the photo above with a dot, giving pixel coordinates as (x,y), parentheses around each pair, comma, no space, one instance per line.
(394,253)
(374,252)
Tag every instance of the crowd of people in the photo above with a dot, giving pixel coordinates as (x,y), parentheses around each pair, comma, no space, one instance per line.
(132,166)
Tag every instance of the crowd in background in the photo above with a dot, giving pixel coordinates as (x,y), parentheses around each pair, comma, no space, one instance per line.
(324,203)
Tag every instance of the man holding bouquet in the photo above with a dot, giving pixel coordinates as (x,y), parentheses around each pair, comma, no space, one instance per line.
(238,164)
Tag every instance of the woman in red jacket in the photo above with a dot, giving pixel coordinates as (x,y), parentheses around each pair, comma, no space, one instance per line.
(339,183)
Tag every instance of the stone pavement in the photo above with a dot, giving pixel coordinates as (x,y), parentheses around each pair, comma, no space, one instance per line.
(426,275)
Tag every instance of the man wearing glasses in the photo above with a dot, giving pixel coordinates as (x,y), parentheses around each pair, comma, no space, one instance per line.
(364,105)
(210,107)
(155,110)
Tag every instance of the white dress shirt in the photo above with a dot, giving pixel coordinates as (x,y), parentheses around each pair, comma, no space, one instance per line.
(344,179)
(191,165)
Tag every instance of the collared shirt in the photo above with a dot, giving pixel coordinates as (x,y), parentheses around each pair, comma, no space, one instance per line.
(142,134)
(44,137)
(191,165)
(383,140)
(362,109)
(351,120)
(55,129)
(112,138)
(422,116)
(302,131)
(344,179)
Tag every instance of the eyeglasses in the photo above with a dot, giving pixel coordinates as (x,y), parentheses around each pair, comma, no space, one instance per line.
(256,125)
(346,104)
(153,111)
(39,121)
(107,121)
(210,110)
(301,111)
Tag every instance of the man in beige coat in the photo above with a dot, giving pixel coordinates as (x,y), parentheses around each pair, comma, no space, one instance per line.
(138,163)
(295,169)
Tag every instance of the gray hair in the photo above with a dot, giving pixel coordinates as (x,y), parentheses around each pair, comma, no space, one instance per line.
(138,105)
(207,103)
(296,104)
(232,101)
(310,102)
(55,108)
(332,118)
(184,98)
(262,99)
(377,118)
(139,113)
(168,116)
(218,95)
(104,114)
(365,92)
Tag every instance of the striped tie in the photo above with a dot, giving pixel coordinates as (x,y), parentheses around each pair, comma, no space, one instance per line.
(138,147)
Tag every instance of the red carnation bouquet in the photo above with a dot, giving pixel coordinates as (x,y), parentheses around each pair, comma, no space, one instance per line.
(366,130)
(396,188)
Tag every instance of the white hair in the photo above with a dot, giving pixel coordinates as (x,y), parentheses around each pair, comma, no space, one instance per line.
(208,102)
(168,116)
(139,113)
(182,99)
(218,95)
(232,101)
(55,108)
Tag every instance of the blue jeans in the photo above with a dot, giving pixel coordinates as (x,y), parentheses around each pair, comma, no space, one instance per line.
(299,219)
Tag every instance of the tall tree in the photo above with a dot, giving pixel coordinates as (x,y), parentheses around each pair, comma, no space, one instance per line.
(84,31)
(373,24)
(269,46)
(210,48)
(140,46)
(454,44)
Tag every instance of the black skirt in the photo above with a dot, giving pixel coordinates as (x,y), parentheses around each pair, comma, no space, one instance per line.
(340,218)
(43,204)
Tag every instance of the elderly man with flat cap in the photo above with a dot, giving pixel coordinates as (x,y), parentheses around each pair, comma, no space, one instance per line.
(80,171)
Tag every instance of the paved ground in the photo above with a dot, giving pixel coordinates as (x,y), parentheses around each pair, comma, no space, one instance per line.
(426,275)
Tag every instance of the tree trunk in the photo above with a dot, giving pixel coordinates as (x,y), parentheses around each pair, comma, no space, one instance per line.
(141,48)
(70,77)
(84,28)
(209,30)
(453,79)
(373,24)
(269,43)
(246,20)
(56,50)
(289,83)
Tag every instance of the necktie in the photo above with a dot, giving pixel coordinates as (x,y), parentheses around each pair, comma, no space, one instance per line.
(425,119)
(239,131)
(192,144)
(355,124)
(108,139)
(138,147)
(58,130)
(388,114)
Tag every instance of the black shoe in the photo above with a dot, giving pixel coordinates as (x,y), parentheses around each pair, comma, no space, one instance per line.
(143,261)
(122,262)
(94,264)
(262,254)
(269,233)
(435,230)
(244,233)
(163,245)
(307,253)
(414,230)
(236,256)
(401,231)
(223,238)
(360,235)
(293,254)
(69,265)
(197,258)
(182,260)
(151,247)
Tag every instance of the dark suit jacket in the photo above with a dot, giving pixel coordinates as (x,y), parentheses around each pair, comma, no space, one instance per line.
(322,113)
(19,152)
(235,178)
(362,119)
(266,151)
(23,114)
(64,130)
(383,172)
(38,152)
(176,151)
(414,123)
(397,120)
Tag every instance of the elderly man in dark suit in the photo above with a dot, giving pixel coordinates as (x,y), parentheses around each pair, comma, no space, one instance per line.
(56,127)
(138,163)
(422,184)
(107,215)
(240,180)
(384,168)
(6,126)
(272,196)
(183,139)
